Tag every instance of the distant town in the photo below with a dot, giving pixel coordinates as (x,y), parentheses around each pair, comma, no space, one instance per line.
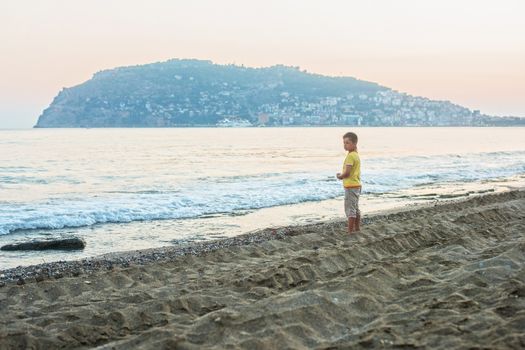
(180,93)
(384,108)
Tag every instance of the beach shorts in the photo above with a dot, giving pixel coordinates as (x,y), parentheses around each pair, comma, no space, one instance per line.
(352,202)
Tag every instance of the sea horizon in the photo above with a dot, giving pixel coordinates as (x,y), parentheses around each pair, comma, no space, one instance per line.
(275,127)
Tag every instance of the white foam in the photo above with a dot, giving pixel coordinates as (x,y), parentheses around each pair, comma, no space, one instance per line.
(229,194)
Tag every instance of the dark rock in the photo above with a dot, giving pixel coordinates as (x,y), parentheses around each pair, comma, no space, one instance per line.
(60,244)
(20,281)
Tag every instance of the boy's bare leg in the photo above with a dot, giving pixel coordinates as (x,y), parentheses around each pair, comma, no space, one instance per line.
(351,224)
(357,223)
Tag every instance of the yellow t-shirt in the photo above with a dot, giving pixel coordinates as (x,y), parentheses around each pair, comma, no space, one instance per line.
(354,180)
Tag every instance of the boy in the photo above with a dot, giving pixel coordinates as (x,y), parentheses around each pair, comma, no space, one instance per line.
(351,177)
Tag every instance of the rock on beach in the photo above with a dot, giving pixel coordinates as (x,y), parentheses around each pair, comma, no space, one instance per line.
(62,244)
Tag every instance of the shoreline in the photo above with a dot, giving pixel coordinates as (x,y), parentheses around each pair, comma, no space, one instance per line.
(141,257)
(177,232)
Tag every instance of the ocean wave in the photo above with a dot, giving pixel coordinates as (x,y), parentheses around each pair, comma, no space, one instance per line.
(190,202)
(231,194)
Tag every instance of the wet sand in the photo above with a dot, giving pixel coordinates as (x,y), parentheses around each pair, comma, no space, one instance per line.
(445,276)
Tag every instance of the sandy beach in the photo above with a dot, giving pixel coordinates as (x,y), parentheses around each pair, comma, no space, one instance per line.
(442,276)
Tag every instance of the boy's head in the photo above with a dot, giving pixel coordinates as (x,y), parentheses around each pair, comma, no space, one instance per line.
(350,141)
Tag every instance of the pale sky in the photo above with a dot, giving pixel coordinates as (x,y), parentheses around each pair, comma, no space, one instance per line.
(470,52)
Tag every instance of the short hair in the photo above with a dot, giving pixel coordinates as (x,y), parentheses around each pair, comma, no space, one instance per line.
(351,136)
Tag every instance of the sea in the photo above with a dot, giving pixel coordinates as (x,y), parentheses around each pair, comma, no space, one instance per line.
(128,189)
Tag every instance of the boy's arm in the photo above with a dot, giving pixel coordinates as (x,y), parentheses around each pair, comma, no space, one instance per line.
(346,173)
